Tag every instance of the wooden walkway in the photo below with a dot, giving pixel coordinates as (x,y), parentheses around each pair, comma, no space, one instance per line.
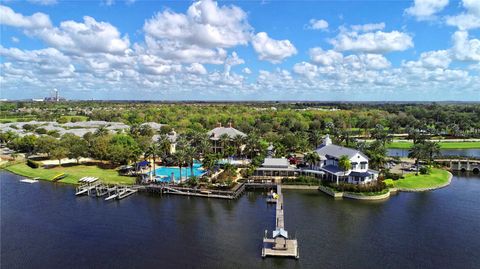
(167,189)
(280,245)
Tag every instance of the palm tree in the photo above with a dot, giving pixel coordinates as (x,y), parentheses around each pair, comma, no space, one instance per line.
(209,162)
(164,144)
(252,145)
(377,153)
(180,159)
(432,149)
(316,138)
(101,131)
(238,141)
(224,139)
(312,158)
(190,155)
(417,151)
(153,151)
(344,164)
(204,146)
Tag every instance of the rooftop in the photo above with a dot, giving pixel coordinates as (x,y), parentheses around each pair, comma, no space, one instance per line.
(276,162)
(219,131)
(337,151)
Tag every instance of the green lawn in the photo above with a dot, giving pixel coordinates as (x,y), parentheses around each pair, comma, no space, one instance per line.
(109,176)
(443,145)
(436,178)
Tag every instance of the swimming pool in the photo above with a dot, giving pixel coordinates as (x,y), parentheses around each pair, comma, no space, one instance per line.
(164,173)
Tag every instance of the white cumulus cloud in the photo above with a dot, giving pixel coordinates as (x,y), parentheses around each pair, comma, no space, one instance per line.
(272,50)
(465,49)
(373,42)
(318,24)
(320,56)
(35,21)
(431,60)
(426,9)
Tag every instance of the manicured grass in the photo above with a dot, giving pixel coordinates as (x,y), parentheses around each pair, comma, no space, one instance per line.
(443,145)
(78,118)
(109,176)
(436,178)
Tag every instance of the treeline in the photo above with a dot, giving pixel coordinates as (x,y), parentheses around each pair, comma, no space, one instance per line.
(269,118)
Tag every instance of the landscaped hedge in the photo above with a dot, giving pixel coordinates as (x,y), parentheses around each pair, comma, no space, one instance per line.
(33,164)
(364,188)
(394,176)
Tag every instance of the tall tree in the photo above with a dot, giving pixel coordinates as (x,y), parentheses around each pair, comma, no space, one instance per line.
(344,164)
(316,138)
(312,158)
(190,155)
(417,151)
(76,146)
(180,159)
(153,151)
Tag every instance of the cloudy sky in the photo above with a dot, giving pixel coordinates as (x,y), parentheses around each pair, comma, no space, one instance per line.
(242,50)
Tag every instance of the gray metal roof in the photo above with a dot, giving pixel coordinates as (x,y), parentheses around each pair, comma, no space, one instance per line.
(219,131)
(337,151)
(332,169)
(275,162)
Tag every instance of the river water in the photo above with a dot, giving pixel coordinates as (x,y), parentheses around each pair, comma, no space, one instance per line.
(444,152)
(43,225)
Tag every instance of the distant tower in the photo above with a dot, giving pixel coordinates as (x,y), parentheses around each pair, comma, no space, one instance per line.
(56,95)
(327,141)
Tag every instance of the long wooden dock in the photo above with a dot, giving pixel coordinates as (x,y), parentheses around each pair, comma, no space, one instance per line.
(280,244)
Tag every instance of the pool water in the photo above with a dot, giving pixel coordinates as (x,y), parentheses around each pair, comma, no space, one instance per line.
(164,173)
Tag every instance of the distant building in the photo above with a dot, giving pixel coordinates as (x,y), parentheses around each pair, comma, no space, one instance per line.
(55,97)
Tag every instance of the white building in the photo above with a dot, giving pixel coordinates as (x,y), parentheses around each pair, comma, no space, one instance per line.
(330,154)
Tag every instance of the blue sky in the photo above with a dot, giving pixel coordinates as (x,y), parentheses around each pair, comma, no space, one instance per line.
(241,50)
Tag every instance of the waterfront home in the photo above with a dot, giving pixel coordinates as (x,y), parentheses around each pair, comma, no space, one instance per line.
(218,132)
(276,168)
(330,155)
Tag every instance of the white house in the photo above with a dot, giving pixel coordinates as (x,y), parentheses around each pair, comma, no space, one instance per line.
(330,154)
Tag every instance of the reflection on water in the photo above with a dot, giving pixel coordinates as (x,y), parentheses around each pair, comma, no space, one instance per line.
(44,225)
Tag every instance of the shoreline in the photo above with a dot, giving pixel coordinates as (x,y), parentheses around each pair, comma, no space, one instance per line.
(328,191)
(385,196)
(449,180)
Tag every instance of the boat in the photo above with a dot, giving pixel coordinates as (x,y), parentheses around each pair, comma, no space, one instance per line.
(28,180)
(272,197)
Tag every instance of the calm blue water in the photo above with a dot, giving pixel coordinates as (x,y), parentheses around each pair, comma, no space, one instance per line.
(165,173)
(43,225)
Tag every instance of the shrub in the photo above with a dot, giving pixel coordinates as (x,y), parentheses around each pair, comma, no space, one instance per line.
(347,187)
(425,170)
(394,176)
(41,130)
(33,164)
